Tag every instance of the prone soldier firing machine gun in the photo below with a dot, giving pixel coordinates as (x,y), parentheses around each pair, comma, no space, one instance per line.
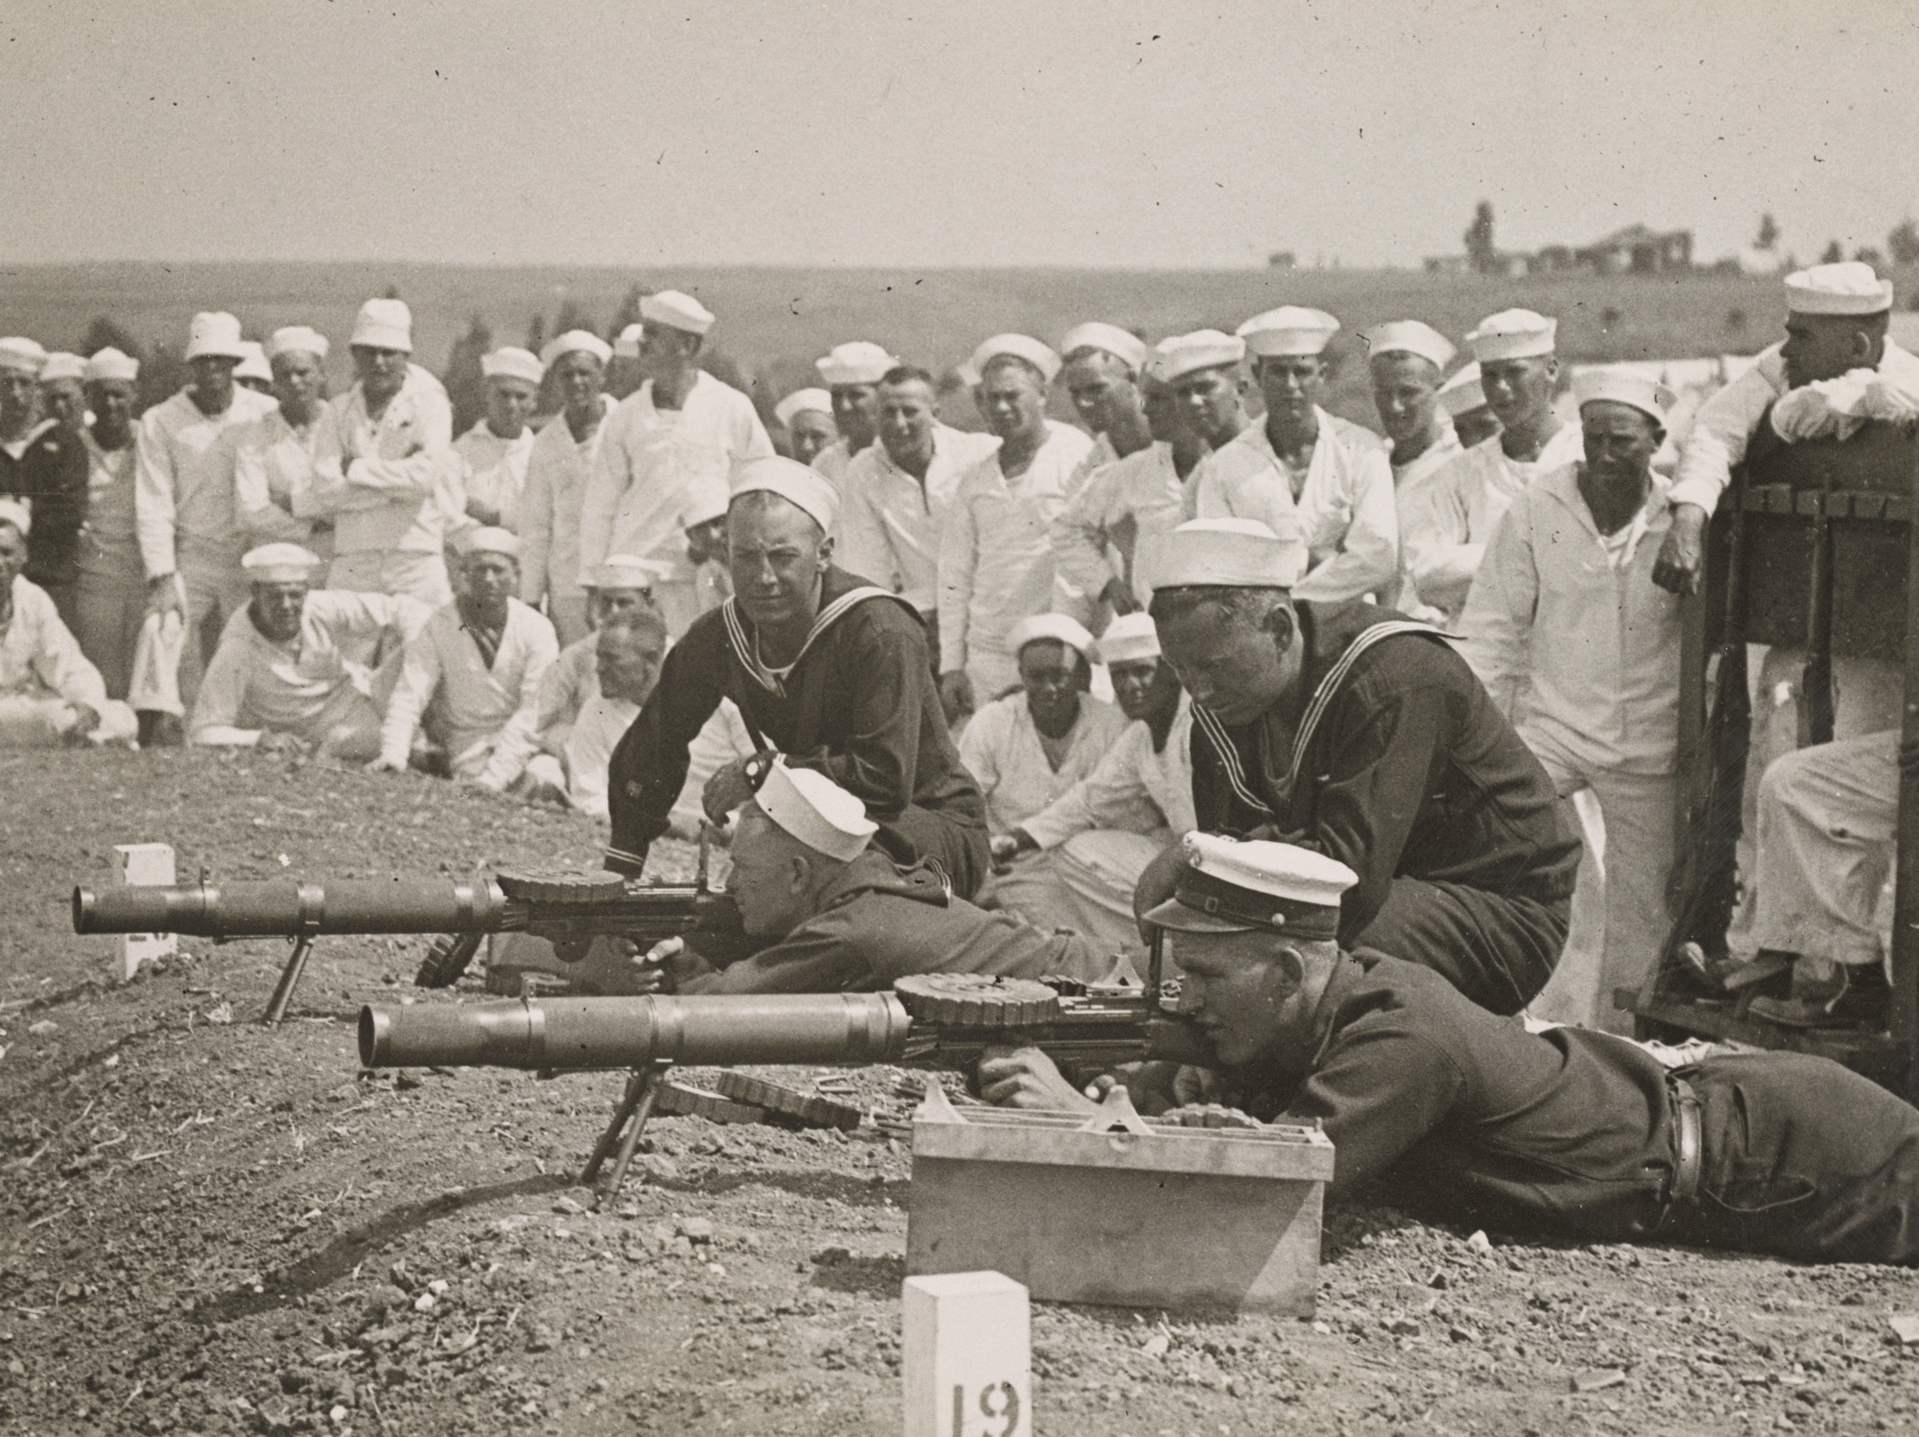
(569,909)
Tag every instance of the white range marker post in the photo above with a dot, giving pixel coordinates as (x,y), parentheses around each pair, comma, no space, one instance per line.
(147,864)
(968,1356)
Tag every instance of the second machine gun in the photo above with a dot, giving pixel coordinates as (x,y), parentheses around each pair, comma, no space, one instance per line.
(569,909)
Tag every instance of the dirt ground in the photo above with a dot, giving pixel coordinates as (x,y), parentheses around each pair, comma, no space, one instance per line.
(209,1226)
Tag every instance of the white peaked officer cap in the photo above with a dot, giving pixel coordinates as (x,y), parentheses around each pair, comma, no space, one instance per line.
(487,539)
(801,400)
(794,482)
(22,355)
(254,366)
(1129,639)
(1849,288)
(513,363)
(1409,336)
(1289,330)
(857,362)
(215,332)
(61,365)
(13,512)
(1223,554)
(1464,392)
(1621,384)
(576,341)
(630,571)
(627,346)
(1184,354)
(297,339)
(1020,346)
(279,564)
(1227,885)
(1060,627)
(1513,334)
(676,311)
(384,324)
(811,807)
(110,363)
(1129,349)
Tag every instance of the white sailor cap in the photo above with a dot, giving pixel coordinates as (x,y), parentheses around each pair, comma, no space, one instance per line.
(1129,639)
(1848,288)
(676,311)
(1622,384)
(1062,628)
(1513,334)
(1409,336)
(801,400)
(254,366)
(804,488)
(61,365)
(809,806)
(111,364)
(13,512)
(858,361)
(1129,349)
(627,346)
(383,324)
(487,539)
(22,355)
(513,363)
(1184,354)
(1464,392)
(1018,346)
(1228,885)
(297,339)
(1289,330)
(576,341)
(630,571)
(217,333)
(280,564)
(1223,554)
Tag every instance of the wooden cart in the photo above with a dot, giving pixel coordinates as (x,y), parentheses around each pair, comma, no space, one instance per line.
(1814,547)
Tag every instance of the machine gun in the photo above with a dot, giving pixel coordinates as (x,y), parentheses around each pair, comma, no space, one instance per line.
(937,1020)
(569,909)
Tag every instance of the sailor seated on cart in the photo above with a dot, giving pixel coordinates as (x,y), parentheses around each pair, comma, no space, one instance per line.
(1828,819)
(1571,1131)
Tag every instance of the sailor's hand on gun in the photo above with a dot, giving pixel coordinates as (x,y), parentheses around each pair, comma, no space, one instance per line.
(729,788)
(649,968)
(1026,1078)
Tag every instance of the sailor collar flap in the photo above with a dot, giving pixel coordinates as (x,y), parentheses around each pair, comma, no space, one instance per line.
(746,650)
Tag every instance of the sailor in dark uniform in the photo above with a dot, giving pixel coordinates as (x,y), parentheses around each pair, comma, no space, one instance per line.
(1350,729)
(827,669)
(841,916)
(1568,1131)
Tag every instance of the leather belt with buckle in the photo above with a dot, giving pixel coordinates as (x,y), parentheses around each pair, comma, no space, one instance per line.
(1690,1162)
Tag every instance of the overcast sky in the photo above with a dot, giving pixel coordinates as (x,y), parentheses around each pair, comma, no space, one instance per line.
(973,132)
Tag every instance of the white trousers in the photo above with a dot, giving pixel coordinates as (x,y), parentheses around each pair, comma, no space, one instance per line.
(1827,816)
(1620,917)
(1085,884)
(413,572)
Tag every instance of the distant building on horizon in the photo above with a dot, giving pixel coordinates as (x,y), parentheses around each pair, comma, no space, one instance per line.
(1636,249)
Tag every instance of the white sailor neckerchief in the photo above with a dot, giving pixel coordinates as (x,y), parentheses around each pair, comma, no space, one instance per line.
(747,651)
(1235,770)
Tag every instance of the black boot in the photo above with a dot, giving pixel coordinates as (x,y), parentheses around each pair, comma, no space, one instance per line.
(1860,998)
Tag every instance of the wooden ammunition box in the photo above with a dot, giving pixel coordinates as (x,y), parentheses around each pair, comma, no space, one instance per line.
(1119,1210)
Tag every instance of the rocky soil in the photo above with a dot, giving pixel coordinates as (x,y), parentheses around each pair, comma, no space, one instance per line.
(207,1226)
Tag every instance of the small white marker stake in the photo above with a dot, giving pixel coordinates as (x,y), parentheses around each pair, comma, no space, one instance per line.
(147,864)
(967,1338)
